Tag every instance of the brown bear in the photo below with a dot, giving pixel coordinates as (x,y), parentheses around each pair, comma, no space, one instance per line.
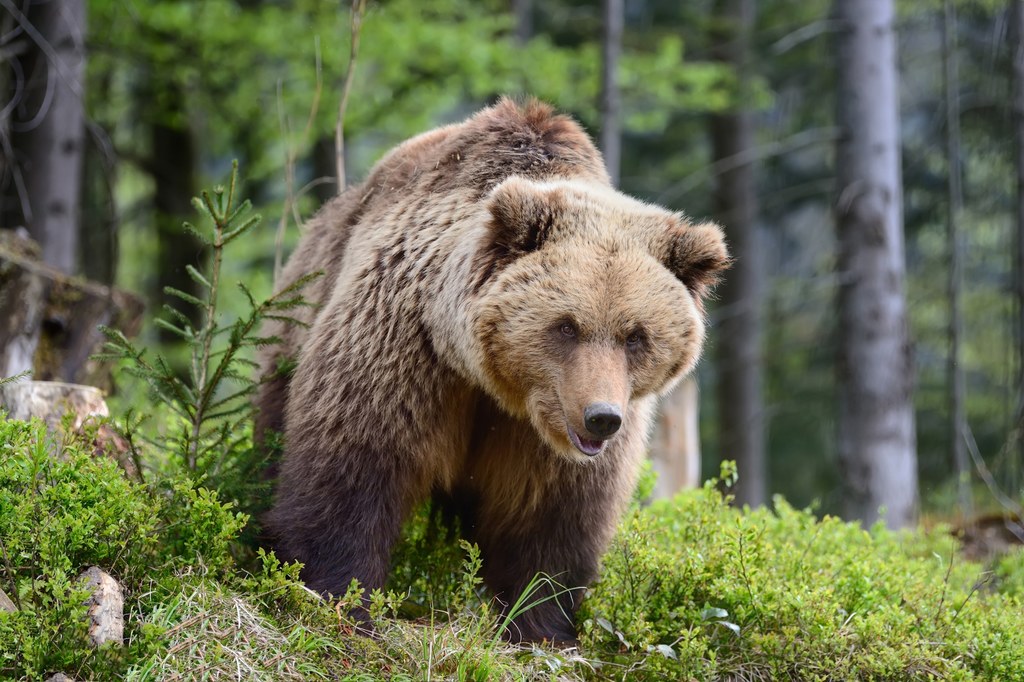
(495,324)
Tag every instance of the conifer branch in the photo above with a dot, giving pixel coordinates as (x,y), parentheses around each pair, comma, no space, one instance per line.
(213,416)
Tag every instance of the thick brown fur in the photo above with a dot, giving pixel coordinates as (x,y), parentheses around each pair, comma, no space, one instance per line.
(482,288)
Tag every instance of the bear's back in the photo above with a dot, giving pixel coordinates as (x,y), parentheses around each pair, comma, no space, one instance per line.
(466,159)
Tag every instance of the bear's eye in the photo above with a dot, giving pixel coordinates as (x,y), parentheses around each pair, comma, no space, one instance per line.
(568,329)
(634,340)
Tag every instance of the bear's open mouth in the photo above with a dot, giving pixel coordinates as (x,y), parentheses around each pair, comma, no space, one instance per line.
(587,446)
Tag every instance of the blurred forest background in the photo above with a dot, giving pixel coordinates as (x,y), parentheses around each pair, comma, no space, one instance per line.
(114,113)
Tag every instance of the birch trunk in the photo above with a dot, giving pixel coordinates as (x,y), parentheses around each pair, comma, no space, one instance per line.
(876,437)
(675,446)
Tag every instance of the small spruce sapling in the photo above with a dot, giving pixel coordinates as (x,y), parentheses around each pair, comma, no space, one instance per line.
(210,437)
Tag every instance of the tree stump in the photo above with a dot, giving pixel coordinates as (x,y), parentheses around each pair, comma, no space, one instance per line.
(52,400)
(22,297)
(49,321)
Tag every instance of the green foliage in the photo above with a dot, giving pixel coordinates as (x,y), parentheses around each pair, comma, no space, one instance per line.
(63,510)
(429,564)
(208,433)
(1009,572)
(416,64)
(694,587)
(17,377)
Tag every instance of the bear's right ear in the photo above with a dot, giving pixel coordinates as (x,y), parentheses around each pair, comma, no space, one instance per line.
(523,216)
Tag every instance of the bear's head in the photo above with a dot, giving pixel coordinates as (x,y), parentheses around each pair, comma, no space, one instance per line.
(588,300)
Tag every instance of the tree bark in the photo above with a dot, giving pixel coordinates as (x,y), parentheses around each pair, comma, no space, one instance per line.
(106,607)
(10,53)
(174,168)
(738,340)
(48,130)
(523,10)
(611,98)
(48,320)
(675,447)
(876,437)
(22,304)
(99,207)
(1017,47)
(954,208)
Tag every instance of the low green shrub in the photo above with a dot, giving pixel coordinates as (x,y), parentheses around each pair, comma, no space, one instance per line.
(63,510)
(696,588)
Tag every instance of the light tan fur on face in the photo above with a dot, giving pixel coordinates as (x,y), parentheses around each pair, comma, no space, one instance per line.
(600,267)
(595,372)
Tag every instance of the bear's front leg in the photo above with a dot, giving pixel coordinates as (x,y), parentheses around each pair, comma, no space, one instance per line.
(555,561)
(340,514)
(560,535)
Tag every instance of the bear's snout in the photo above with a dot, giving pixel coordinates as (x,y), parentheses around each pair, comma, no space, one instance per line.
(602,419)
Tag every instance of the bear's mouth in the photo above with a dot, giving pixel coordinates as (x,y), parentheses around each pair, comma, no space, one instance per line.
(587,446)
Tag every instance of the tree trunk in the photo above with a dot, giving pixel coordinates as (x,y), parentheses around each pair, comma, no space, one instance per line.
(523,10)
(326,187)
(611,99)
(22,304)
(954,207)
(174,168)
(675,447)
(99,206)
(10,53)
(1017,47)
(739,332)
(876,438)
(48,129)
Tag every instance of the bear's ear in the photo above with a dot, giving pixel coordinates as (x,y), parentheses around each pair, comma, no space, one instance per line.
(696,254)
(523,216)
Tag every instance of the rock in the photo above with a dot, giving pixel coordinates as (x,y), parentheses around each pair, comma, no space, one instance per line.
(106,607)
(6,604)
(59,677)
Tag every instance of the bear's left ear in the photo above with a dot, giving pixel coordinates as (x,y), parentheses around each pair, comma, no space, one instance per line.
(696,254)
(523,216)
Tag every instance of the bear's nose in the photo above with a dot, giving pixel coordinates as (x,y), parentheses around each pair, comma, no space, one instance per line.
(602,419)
